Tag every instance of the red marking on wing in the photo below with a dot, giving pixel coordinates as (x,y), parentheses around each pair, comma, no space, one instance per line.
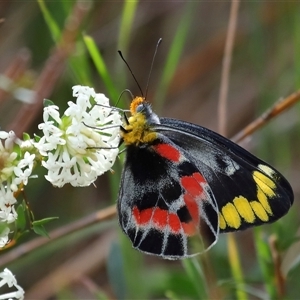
(192,208)
(174,223)
(168,151)
(192,185)
(189,228)
(160,218)
(142,217)
(199,178)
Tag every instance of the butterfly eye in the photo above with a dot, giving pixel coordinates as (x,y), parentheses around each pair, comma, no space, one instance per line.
(140,108)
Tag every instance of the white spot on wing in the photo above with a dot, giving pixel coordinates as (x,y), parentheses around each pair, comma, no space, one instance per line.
(232,166)
(267,170)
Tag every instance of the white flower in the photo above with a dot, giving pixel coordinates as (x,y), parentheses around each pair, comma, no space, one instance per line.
(24,168)
(7,201)
(83,143)
(9,138)
(6,277)
(15,166)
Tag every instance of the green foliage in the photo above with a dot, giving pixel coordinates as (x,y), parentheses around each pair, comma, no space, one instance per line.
(51,23)
(100,65)
(265,260)
(175,51)
(21,221)
(48,102)
(116,271)
(195,274)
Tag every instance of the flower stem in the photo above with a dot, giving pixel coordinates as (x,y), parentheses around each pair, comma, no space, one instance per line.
(236,268)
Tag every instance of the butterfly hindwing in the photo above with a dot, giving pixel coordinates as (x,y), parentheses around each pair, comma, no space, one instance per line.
(164,201)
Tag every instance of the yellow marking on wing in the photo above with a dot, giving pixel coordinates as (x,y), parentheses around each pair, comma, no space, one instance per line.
(265,189)
(263,199)
(231,216)
(259,211)
(243,207)
(222,223)
(265,183)
(249,210)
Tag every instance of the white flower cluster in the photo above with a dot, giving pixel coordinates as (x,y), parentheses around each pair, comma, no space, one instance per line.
(83,143)
(6,277)
(75,148)
(16,165)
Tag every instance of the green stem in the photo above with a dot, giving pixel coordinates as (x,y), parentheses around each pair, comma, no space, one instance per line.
(236,268)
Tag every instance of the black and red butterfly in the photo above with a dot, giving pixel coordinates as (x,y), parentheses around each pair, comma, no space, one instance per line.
(180,180)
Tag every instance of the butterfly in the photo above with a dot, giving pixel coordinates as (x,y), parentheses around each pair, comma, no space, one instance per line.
(181,182)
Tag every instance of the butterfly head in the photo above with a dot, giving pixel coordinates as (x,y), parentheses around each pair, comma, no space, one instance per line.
(138,128)
(137,104)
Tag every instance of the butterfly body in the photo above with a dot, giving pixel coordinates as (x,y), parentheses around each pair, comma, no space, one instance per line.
(182,180)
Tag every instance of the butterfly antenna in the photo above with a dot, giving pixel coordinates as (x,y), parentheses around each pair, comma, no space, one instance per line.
(125,91)
(120,53)
(154,55)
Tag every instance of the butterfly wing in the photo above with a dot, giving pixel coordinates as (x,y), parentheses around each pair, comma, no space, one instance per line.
(247,190)
(164,200)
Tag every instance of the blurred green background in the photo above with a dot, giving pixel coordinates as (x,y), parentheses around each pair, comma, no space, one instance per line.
(49,46)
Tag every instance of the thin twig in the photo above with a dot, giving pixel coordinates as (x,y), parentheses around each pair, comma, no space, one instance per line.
(278,107)
(101,215)
(233,253)
(222,108)
(276,257)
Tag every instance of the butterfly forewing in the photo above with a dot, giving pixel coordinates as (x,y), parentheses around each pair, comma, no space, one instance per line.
(248,191)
